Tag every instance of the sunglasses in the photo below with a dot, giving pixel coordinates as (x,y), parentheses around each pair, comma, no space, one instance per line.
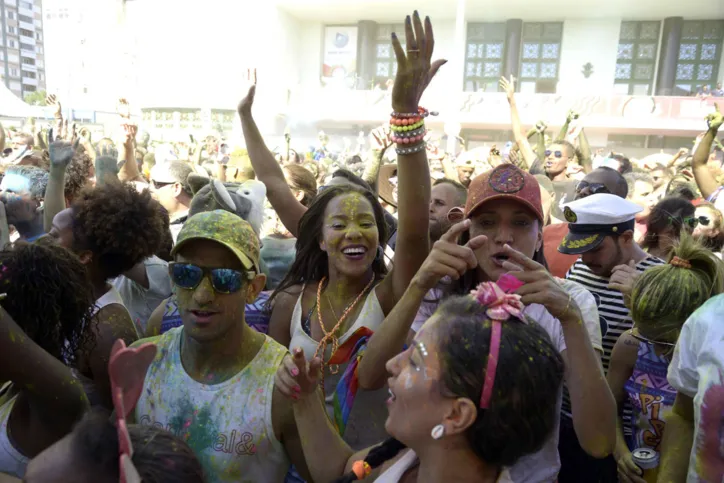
(704,220)
(594,188)
(224,280)
(158,185)
(557,154)
(635,334)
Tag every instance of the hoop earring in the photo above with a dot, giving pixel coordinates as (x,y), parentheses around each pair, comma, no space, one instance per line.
(438,432)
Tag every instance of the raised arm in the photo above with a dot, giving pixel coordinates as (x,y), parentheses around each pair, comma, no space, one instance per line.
(677,441)
(381,141)
(529,156)
(706,181)
(53,101)
(414,73)
(266,168)
(563,133)
(129,169)
(584,149)
(61,154)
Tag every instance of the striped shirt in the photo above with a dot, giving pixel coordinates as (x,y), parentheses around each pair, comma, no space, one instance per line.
(613,315)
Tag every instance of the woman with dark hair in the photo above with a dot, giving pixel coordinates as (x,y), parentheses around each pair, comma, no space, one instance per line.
(111,228)
(664,225)
(476,390)
(338,291)
(301,182)
(45,323)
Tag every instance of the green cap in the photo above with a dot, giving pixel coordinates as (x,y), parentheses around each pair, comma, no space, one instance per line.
(225,228)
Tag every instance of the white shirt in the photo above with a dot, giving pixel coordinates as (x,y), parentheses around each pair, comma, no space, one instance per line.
(697,370)
(141,301)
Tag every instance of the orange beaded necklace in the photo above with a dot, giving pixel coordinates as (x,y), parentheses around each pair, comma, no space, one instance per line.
(331,336)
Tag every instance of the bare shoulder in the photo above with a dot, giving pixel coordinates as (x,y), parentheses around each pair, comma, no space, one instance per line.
(626,348)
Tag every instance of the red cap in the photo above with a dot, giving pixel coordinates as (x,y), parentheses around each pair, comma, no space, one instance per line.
(505,182)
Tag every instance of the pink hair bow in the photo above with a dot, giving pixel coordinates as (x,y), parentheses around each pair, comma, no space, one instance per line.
(501,304)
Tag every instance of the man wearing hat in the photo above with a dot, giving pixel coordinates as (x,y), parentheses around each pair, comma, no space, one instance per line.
(601,232)
(170,187)
(215,365)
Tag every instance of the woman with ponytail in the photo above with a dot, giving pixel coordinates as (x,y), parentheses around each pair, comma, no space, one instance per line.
(476,390)
(663,298)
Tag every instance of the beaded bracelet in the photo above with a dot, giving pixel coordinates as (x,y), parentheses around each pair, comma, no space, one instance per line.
(409,138)
(421,112)
(408,127)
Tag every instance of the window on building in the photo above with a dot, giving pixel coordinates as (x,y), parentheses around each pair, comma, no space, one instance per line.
(27,5)
(25,18)
(29,47)
(699,54)
(13,72)
(27,60)
(27,33)
(636,59)
(540,56)
(11,14)
(28,88)
(385,60)
(484,56)
(12,43)
(38,36)
(29,75)
(12,30)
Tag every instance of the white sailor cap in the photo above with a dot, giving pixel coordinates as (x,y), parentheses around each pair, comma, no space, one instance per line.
(593,218)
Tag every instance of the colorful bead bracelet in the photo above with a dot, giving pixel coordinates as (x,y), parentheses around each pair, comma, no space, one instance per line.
(421,112)
(413,149)
(407,127)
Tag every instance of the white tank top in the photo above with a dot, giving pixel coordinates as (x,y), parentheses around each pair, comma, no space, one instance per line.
(395,472)
(228,425)
(366,423)
(11,461)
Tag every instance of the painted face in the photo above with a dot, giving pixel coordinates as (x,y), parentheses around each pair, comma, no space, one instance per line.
(62,229)
(556,159)
(707,223)
(349,234)
(443,197)
(605,256)
(417,403)
(54,465)
(504,222)
(206,314)
(642,195)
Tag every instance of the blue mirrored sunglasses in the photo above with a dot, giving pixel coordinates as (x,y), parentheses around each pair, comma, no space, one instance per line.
(223,280)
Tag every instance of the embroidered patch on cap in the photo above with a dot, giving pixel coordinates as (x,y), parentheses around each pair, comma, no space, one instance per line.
(569,215)
(506,178)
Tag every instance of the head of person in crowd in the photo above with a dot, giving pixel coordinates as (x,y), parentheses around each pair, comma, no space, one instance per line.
(664,225)
(343,176)
(693,273)
(245,201)
(38,159)
(347,226)
(710,229)
(558,155)
(716,158)
(90,454)
(215,273)
(301,182)
(170,187)
(446,194)
(78,175)
(240,173)
(111,228)
(446,396)
(619,162)
(504,204)
(149,161)
(660,176)
(21,141)
(681,187)
(641,191)
(602,180)
(547,196)
(466,168)
(49,296)
(22,191)
(601,230)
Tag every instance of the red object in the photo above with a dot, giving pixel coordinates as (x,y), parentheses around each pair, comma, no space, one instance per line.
(558,263)
(504,182)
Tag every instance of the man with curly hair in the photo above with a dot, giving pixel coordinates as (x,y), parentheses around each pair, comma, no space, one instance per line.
(22,191)
(111,228)
(78,175)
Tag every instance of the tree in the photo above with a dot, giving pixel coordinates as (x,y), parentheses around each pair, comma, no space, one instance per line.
(36,98)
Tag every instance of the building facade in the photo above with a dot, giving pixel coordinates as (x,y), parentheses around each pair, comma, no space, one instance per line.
(22,54)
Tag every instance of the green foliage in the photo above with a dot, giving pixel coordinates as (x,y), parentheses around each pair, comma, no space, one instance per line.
(36,98)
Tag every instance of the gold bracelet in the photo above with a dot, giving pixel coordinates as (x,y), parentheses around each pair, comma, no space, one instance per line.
(568,306)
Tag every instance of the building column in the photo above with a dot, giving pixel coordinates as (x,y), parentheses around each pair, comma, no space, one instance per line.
(513,43)
(366,55)
(456,71)
(669,56)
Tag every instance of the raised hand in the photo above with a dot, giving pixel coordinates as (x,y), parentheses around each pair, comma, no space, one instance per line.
(508,86)
(296,377)
(715,119)
(447,258)
(123,108)
(572,115)
(381,138)
(540,127)
(244,107)
(53,101)
(414,67)
(61,153)
(130,131)
(108,150)
(540,287)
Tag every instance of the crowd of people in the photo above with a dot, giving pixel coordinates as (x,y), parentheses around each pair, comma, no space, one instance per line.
(188,313)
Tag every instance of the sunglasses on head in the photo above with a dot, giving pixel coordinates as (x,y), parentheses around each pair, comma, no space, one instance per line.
(224,280)
(594,188)
(557,154)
